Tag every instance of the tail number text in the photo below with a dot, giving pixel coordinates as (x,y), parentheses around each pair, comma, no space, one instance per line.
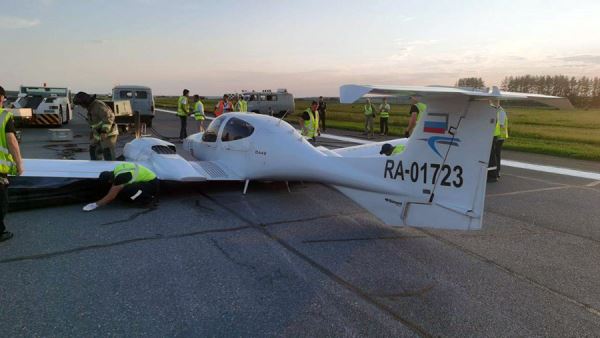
(426,173)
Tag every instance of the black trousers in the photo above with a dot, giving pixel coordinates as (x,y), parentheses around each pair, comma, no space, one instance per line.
(496,157)
(183,130)
(383,125)
(3,205)
(141,193)
(322,115)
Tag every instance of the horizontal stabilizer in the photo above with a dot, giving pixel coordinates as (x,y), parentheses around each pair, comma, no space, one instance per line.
(351,93)
(402,211)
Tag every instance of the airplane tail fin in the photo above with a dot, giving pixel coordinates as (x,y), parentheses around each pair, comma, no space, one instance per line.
(439,180)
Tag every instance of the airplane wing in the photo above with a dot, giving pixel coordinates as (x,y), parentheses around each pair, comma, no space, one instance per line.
(351,93)
(157,155)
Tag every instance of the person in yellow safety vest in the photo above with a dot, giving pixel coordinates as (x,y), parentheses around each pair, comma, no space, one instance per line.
(183,111)
(241,105)
(10,161)
(223,106)
(103,129)
(417,109)
(388,149)
(309,122)
(384,115)
(500,134)
(369,112)
(199,112)
(130,182)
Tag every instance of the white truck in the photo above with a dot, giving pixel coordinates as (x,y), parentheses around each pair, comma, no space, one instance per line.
(270,103)
(49,106)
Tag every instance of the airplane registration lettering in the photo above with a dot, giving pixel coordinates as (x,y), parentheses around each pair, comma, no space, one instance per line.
(389,167)
(427,173)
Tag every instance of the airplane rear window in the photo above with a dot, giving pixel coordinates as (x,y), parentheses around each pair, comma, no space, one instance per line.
(210,135)
(236,129)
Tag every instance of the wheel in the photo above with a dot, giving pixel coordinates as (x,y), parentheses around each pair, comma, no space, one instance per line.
(68,115)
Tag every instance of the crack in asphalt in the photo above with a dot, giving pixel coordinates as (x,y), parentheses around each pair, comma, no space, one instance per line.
(157,237)
(132,216)
(513,273)
(330,274)
(406,294)
(310,241)
(230,257)
(308,219)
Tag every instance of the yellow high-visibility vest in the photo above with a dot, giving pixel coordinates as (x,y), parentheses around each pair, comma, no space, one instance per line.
(138,172)
(7,163)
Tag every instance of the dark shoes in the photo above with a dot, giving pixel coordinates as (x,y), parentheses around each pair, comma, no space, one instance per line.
(5,236)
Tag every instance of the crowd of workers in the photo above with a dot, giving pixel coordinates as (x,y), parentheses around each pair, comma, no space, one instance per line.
(135,183)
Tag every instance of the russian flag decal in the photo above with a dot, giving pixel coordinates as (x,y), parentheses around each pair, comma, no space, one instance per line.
(436,124)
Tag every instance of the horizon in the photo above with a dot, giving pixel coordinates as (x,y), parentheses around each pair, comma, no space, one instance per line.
(310,48)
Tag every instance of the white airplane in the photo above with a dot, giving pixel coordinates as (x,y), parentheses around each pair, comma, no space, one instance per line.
(439,181)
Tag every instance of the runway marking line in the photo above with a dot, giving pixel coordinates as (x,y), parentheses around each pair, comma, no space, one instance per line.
(593,184)
(527,191)
(509,163)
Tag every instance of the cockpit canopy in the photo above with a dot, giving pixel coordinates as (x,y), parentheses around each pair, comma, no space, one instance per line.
(235,129)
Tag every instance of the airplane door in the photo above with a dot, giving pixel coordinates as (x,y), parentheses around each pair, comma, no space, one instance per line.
(234,136)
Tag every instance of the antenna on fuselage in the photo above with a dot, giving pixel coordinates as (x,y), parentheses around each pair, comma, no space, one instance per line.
(283,116)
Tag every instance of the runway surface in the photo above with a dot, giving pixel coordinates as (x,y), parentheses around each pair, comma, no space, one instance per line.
(310,262)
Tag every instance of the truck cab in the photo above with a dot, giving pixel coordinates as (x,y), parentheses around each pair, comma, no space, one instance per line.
(270,103)
(141,100)
(49,105)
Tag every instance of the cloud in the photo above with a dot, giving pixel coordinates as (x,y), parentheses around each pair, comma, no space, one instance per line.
(590,59)
(8,22)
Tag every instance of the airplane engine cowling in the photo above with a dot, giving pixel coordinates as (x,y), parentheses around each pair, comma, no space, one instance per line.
(162,158)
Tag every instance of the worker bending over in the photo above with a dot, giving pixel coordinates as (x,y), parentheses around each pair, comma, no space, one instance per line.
(103,129)
(130,182)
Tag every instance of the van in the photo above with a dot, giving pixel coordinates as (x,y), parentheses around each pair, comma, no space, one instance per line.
(270,103)
(141,100)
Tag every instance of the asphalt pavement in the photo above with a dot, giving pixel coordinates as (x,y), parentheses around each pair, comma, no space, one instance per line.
(210,261)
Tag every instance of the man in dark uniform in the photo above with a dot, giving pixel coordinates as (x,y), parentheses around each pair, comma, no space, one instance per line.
(131,183)
(10,161)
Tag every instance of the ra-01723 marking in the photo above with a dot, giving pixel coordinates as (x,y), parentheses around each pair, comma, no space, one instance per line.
(426,173)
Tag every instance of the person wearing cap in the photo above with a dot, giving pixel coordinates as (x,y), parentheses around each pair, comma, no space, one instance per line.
(388,149)
(130,182)
(103,129)
(417,109)
(199,112)
(10,161)
(309,122)
(183,111)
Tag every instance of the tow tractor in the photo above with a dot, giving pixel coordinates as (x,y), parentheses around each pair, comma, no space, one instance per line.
(49,106)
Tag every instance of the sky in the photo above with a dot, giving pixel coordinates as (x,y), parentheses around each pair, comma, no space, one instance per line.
(309,47)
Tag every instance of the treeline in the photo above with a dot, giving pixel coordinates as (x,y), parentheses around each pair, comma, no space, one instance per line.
(583,92)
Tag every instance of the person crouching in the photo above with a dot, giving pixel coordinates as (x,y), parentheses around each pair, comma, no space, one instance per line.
(130,182)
